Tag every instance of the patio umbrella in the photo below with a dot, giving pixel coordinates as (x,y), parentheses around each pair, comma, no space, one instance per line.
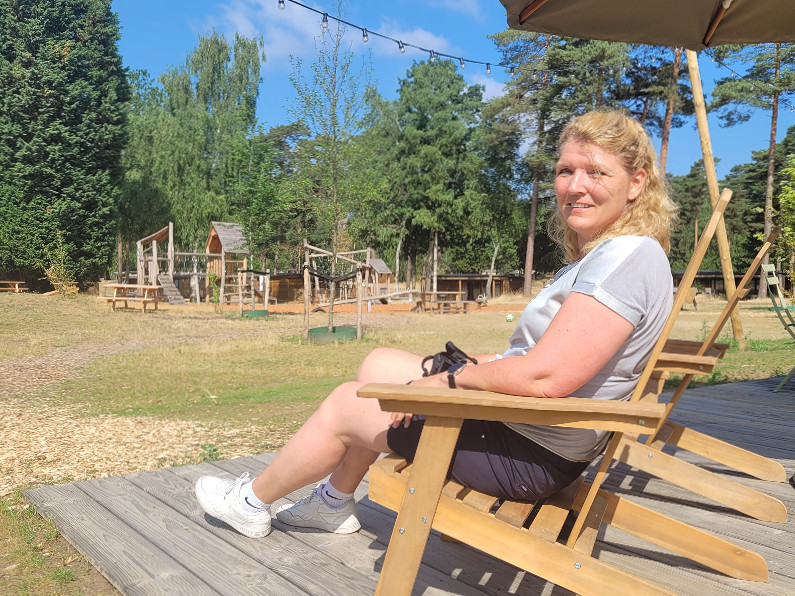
(692,24)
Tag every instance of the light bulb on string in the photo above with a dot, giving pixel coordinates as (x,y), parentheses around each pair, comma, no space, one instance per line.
(401,47)
(462,63)
(281,4)
(433,56)
(364,35)
(325,21)
(488,68)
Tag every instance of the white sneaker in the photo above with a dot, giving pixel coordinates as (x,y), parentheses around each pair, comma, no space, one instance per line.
(219,497)
(314,512)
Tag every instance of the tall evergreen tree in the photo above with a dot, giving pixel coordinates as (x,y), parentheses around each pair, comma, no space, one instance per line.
(437,168)
(62,130)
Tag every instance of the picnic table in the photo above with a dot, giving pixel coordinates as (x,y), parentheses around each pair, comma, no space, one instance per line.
(145,294)
(443,302)
(12,286)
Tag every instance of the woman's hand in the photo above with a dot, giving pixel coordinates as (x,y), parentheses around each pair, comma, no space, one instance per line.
(404,418)
(398,418)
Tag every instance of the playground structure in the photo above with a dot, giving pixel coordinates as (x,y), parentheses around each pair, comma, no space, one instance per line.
(222,273)
(365,279)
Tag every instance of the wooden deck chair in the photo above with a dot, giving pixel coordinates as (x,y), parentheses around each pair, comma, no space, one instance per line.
(699,358)
(781,308)
(527,535)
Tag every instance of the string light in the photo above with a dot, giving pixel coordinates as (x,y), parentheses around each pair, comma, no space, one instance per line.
(402,45)
(433,54)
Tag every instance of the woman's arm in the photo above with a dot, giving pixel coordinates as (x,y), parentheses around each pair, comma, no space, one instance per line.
(582,337)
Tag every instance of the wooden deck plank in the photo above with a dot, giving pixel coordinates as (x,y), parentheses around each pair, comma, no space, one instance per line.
(217,563)
(310,570)
(147,534)
(127,559)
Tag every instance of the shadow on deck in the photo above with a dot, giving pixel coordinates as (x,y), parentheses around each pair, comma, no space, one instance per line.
(146,533)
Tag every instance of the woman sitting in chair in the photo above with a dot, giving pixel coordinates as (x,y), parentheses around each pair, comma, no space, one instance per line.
(588,334)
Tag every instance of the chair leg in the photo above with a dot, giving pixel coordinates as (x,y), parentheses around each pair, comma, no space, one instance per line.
(784,382)
(420,499)
(697,545)
(700,481)
(719,451)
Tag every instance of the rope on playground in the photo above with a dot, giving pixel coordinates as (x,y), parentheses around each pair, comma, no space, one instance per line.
(326,277)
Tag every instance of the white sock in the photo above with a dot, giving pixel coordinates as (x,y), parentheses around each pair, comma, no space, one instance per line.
(249,501)
(334,498)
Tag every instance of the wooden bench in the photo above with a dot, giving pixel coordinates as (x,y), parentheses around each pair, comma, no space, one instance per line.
(12,286)
(144,294)
(453,306)
(442,302)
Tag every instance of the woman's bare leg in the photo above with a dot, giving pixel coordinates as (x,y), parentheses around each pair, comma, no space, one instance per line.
(389,365)
(344,436)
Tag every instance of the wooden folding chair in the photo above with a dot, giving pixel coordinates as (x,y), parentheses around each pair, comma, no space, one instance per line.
(781,308)
(699,358)
(531,536)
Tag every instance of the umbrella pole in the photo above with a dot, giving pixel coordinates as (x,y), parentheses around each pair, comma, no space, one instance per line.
(714,192)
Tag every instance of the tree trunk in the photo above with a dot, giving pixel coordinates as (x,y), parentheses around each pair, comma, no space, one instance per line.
(669,110)
(771,167)
(119,258)
(527,288)
(435,259)
(491,269)
(397,257)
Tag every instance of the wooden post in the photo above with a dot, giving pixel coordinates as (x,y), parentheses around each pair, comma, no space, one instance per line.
(267,292)
(240,293)
(140,265)
(714,192)
(171,251)
(307,290)
(222,275)
(155,269)
(359,304)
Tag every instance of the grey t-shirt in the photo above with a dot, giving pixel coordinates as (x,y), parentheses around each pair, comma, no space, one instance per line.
(631,276)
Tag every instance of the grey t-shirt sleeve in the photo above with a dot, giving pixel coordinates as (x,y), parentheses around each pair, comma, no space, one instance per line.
(624,275)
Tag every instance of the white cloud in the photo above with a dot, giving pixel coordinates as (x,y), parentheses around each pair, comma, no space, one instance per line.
(238,14)
(467,7)
(492,88)
(416,37)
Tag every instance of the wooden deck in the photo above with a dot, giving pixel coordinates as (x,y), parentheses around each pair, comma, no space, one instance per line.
(146,533)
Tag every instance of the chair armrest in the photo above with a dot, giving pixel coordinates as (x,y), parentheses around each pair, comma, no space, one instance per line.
(572,412)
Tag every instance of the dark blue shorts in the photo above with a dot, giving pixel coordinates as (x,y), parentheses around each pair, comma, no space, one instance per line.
(494,459)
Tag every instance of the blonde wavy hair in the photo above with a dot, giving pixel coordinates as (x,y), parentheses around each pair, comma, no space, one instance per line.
(653,213)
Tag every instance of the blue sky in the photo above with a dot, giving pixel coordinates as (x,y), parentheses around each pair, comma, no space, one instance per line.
(159,34)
